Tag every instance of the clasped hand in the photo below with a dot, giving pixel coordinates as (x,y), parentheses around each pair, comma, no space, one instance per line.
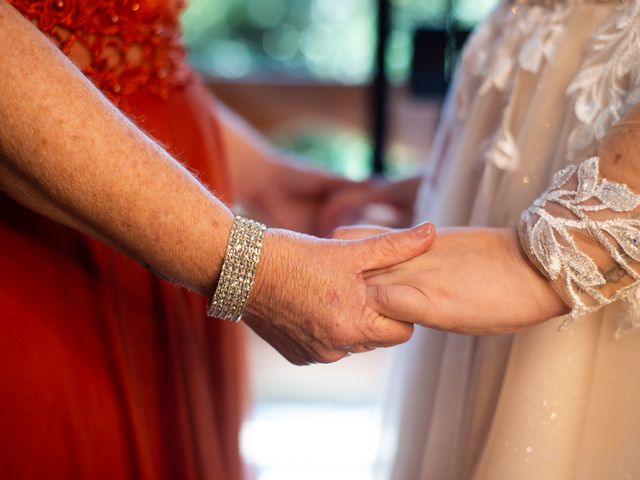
(316,300)
(309,299)
(471,281)
(319,300)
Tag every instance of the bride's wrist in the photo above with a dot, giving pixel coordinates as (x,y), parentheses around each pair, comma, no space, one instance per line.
(551,304)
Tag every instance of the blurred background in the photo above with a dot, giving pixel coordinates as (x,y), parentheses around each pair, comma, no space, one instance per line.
(354,86)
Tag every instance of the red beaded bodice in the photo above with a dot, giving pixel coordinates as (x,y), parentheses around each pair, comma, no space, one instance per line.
(123,45)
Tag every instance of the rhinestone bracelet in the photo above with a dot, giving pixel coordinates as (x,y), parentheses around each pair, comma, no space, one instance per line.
(238,270)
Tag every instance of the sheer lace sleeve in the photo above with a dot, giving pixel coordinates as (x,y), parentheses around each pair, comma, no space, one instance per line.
(583,233)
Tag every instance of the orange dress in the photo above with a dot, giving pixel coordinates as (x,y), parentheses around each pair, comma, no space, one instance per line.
(106,371)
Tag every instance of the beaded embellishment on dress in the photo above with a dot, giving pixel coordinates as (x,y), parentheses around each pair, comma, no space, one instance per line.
(125,45)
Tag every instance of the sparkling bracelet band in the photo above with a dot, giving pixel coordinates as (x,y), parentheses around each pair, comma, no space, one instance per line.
(238,270)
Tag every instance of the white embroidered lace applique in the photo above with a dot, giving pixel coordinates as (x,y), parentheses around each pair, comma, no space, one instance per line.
(608,82)
(475,58)
(580,208)
(513,37)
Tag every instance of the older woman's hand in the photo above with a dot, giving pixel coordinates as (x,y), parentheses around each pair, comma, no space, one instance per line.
(310,302)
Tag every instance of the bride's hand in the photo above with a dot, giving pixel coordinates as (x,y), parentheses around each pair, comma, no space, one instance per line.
(473,281)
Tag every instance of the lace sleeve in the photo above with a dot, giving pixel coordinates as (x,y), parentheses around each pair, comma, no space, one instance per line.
(583,233)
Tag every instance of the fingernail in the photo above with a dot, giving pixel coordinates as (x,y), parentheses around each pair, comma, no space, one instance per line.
(424,229)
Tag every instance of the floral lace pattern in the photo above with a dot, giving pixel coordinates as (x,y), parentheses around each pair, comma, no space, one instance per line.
(608,82)
(580,204)
(130,44)
(518,35)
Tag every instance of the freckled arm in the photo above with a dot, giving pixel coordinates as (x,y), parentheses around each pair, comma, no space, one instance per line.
(67,153)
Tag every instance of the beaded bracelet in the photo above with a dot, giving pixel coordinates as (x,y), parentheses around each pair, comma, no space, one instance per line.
(238,270)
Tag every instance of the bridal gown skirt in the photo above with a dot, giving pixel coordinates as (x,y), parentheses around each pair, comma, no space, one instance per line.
(538,85)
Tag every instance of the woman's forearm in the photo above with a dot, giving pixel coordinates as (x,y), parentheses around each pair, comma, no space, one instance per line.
(67,153)
(251,156)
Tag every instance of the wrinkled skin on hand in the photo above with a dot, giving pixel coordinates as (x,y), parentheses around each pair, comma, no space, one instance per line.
(310,297)
(472,281)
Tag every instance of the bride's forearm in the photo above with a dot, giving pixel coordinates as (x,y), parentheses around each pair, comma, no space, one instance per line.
(67,153)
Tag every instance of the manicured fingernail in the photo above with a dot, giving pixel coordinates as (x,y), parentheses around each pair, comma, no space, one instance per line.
(424,229)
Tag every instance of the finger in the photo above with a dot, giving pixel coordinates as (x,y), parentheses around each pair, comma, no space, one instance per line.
(345,206)
(386,276)
(292,355)
(387,333)
(375,277)
(331,356)
(288,348)
(362,348)
(395,247)
(399,302)
(341,209)
(356,232)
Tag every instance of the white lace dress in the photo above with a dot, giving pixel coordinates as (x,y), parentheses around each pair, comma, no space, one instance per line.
(539,84)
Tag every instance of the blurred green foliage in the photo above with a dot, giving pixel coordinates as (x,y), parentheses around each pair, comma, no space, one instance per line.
(346,153)
(340,151)
(322,39)
(325,40)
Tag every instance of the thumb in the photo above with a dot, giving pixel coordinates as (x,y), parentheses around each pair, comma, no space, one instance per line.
(356,232)
(395,247)
(399,302)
